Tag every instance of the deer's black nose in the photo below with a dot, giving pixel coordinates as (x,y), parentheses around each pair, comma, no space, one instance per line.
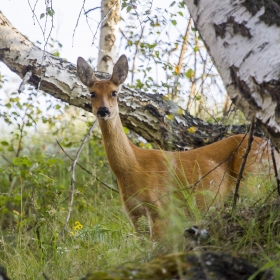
(103,112)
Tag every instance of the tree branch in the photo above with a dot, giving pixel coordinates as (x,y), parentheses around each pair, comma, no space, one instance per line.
(144,113)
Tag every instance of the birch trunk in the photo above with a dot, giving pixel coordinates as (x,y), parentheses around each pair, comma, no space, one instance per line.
(242,36)
(110,17)
(146,114)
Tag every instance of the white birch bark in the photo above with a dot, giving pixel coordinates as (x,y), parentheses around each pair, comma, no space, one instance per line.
(243,38)
(110,17)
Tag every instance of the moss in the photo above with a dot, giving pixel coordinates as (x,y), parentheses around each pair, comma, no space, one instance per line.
(271,15)
(184,266)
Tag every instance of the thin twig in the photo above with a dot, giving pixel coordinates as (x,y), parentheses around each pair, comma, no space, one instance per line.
(83,168)
(73,167)
(245,156)
(181,58)
(275,168)
(90,10)
(46,40)
(21,130)
(107,14)
(193,91)
(77,22)
(192,187)
(25,79)
(135,55)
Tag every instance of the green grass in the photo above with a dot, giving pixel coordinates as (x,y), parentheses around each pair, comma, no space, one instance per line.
(34,203)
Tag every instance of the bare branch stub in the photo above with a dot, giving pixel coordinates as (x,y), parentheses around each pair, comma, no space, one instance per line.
(25,79)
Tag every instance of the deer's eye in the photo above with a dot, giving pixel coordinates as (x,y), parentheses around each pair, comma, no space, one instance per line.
(93,94)
(114,93)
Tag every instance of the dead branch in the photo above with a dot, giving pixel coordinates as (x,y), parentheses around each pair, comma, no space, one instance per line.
(73,167)
(245,156)
(87,171)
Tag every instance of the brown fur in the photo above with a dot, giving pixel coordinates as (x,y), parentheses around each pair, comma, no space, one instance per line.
(146,177)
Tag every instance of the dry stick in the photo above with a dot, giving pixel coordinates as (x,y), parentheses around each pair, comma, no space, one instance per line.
(181,58)
(245,156)
(83,168)
(72,187)
(275,168)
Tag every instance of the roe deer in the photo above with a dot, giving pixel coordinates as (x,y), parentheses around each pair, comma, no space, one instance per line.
(145,176)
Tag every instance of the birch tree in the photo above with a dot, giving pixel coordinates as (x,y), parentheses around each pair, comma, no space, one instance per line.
(242,36)
(110,18)
(146,114)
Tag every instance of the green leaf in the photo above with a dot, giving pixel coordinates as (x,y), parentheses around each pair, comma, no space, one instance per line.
(50,11)
(126,130)
(181,14)
(196,48)
(57,107)
(172,4)
(5,143)
(174,22)
(128,9)
(42,15)
(8,105)
(56,53)
(189,74)
(124,5)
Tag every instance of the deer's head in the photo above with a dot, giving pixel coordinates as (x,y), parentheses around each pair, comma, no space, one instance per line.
(103,92)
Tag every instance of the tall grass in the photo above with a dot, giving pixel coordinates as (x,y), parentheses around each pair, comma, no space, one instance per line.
(34,204)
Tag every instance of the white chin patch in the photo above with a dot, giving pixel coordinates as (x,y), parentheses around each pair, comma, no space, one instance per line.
(104,118)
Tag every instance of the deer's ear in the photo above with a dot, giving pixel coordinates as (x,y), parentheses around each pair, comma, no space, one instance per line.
(85,72)
(120,71)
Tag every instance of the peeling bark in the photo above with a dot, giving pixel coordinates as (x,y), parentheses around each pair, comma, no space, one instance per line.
(242,36)
(110,16)
(141,112)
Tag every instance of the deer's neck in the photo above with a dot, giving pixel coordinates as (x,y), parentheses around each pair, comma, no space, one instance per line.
(119,149)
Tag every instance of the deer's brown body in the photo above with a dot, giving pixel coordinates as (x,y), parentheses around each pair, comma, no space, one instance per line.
(146,177)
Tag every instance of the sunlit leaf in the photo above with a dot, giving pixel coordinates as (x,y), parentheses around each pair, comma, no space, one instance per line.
(170,117)
(190,73)
(126,130)
(192,129)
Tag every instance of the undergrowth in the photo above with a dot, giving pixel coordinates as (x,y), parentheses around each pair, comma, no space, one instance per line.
(34,202)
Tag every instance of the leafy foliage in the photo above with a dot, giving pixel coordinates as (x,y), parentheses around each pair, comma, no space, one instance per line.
(34,171)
